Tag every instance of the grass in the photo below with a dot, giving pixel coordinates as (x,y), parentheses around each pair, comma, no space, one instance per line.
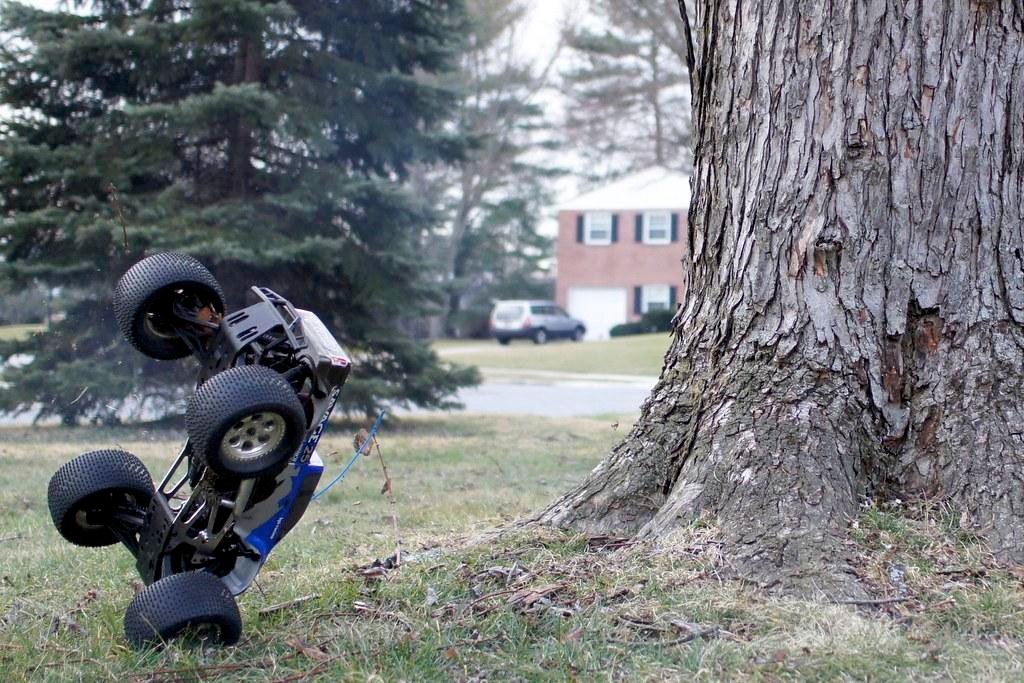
(18,332)
(634,355)
(538,605)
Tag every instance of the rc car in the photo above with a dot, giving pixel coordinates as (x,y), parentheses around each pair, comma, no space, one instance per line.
(269,377)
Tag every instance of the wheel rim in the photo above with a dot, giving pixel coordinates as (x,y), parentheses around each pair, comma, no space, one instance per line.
(254,436)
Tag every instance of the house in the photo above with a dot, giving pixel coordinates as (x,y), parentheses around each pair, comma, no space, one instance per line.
(620,247)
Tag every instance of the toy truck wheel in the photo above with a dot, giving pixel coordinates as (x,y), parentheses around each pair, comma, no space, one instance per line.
(87,495)
(245,422)
(145,299)
(196,601)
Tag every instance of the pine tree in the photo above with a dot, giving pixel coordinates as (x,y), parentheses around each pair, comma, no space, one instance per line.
(269,139)
(627,87)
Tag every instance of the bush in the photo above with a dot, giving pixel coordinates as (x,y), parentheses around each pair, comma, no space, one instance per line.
(626,329)
(657,321)
(652,321)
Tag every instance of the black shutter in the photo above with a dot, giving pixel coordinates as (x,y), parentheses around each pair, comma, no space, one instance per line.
(579,227)
(672,298)
(638,303)
(639,227)
(675,227)
(615,228)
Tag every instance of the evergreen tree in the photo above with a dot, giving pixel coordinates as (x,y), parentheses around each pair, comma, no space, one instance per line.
(627,86)
(492,200)
(269,139)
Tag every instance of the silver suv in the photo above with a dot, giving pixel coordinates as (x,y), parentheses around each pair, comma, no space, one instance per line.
(533,319)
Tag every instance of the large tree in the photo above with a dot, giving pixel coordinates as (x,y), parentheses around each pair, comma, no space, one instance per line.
(270,139)
(854,321)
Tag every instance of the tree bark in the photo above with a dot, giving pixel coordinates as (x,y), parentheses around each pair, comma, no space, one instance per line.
(853,325)
(240,141)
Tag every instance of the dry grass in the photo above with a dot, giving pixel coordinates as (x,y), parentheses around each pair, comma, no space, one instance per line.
(19,332)
(534,605)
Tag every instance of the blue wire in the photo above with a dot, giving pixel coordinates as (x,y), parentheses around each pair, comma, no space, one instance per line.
(362,449)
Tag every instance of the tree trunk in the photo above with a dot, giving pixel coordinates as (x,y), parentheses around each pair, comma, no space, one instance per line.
(853,325)
(240,142)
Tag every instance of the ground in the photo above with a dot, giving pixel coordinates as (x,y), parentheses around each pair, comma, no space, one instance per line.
(531,604)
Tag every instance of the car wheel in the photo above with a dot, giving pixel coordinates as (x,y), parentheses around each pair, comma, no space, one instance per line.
(147,295)
(192,600)
(504,341)
(245,422)
(86,493)
(540,337)
(577,334)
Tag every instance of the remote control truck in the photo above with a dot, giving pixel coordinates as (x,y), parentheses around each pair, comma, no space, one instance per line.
(269,377)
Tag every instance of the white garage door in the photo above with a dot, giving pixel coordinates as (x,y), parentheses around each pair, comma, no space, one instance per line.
(600,308)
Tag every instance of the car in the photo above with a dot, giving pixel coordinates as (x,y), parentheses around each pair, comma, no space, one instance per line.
(269,377)
(534,319)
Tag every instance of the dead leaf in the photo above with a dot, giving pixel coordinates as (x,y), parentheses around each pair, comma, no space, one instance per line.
(779,656)
(83,602)
(451,653)
(530,596)
(310,651)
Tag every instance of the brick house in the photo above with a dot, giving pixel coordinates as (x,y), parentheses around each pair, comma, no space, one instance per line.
(619,249)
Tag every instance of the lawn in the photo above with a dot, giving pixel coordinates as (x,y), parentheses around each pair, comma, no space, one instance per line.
(467,605)
(634,355)
(18,332)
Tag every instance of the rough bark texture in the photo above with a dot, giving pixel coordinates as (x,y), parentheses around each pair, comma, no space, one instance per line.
(854,321)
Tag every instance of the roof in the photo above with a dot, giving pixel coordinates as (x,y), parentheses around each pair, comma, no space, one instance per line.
(652,188)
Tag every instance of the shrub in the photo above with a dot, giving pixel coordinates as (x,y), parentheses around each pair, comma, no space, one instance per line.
(657,321)
(626,329)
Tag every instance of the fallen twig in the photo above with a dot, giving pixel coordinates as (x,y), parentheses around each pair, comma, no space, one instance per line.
(12,537)
(290,603)
(881,601)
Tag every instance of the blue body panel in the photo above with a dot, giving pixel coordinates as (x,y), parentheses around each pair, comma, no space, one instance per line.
(307,468)
(263,538)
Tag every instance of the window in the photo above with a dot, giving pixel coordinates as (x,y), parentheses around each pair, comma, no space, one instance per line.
(506,313)
(657,227)
(598,228)
(656,298)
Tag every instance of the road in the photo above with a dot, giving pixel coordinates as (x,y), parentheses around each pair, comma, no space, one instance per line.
(556,394)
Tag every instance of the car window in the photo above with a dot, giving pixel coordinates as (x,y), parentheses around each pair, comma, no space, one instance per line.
(508,313)
(540,310)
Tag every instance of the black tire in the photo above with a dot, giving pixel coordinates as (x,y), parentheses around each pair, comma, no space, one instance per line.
(85,491)
(164,609)
(578,333)
(504,341)
(253,404)
(145,294)
(540,336)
